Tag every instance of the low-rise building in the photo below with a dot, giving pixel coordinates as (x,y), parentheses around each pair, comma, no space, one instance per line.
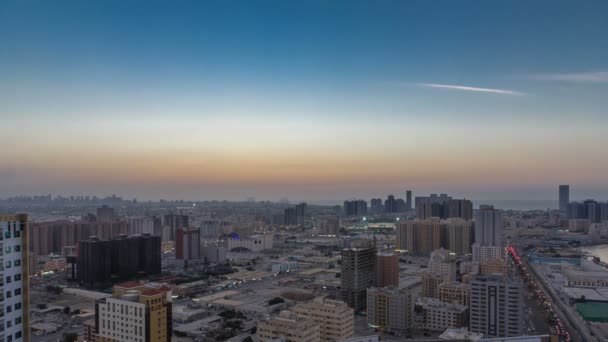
(436,315)
(290,327)
(335,318)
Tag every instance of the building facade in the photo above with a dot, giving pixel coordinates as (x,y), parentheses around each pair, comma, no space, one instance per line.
(134,313)
(392,309)
(495,308)
(358,274)
(14,278)
(335,318)
(488,226)
(289,327)
(387,269)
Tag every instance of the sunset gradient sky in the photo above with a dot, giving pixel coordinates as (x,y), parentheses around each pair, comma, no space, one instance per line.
(309,100)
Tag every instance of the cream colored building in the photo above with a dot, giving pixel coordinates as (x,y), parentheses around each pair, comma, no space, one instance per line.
(493,267)
(454,292)
(289,327)
(335,318)
(460,234)
(134,313)
(418,236)
(392,309)
(436,315)
(440,264)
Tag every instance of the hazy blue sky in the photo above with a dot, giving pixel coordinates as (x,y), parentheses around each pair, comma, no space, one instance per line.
(309,99)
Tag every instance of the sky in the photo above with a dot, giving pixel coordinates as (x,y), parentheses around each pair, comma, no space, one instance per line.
(309,100)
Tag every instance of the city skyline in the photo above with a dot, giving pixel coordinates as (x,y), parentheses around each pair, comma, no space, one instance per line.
(308,101)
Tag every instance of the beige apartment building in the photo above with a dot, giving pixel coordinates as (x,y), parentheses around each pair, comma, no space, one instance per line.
(392,309)
(290,327)
(459,235)
(335,318)
(454,292)
(418,236)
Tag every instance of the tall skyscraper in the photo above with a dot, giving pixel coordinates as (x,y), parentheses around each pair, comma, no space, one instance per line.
(488,226)
(175,222)
(300,213)
(376,205)
(135,312)
(355,208)
(564,197)
(358,274)
(387,269)
(459,235)
(495,306)
(418,236)
(390,205)
(408,200)
(187,244)
(14,288)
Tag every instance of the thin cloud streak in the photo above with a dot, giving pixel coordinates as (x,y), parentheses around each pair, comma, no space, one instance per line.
(473,89)
(581,77)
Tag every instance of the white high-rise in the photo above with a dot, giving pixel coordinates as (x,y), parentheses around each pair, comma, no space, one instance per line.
(495,306)
(14,280)
(488,226)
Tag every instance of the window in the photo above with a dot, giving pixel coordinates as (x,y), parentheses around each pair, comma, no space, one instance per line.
(17,306)
(8,264)
(17,262)
(17,320)
(8,294)
(8,279)
(7,249)
(17,291)
(18,277)
(18,334)
(9,309)
(18,248)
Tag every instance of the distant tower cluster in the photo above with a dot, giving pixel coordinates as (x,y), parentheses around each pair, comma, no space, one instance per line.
(564,197)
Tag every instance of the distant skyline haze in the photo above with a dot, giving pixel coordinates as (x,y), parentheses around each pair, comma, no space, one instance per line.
(305,100)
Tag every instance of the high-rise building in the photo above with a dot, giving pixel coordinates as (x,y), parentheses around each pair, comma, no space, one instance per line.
(418,236)
(331,226)
(105,214)
(135,312)
(564,197)
(355,208)
(390,205)
(392,309)
(187,244)
(376,205)
(459,235)
(100,262)
(408,200)
(175,222)
(288,326)
(14,284)
(335,318)
(488,226)
(495,308)
(577,210)
(300,214)
(387,269)
(290,217)
(461,208)
(214,253)
(358,274)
